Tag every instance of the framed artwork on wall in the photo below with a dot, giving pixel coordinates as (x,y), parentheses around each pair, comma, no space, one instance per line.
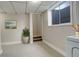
(10,24)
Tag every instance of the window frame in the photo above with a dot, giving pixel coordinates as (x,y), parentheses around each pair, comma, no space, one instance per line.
(50,15)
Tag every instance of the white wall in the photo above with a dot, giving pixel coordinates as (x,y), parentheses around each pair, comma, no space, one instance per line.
(56,35)
(14,35)
(31,28)
(75,14)
(0,32)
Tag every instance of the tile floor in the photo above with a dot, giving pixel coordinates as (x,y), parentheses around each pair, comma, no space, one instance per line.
(37,49)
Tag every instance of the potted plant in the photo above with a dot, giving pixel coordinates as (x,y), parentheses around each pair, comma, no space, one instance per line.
(25,35)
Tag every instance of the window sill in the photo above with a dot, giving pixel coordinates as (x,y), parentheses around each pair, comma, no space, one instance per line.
(65,24)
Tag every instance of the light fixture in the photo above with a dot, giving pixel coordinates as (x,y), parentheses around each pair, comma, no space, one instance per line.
(76,27)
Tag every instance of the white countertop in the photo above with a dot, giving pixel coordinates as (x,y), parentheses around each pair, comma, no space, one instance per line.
(73,38)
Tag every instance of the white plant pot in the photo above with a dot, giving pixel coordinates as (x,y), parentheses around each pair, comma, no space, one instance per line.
(25,39)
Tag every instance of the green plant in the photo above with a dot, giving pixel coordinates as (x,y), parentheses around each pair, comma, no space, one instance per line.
(26,32)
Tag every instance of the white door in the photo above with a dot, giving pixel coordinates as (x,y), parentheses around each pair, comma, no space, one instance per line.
(37,25)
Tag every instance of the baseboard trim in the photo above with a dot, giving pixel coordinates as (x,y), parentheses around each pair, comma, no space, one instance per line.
(53,47)
(11,43)
(1,51)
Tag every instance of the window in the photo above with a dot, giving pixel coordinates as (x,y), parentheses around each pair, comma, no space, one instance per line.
(61,13)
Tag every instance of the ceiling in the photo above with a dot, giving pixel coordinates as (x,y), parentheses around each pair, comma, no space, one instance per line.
(23,7)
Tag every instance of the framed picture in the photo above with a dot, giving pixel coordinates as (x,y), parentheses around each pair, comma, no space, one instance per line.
(10,24)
